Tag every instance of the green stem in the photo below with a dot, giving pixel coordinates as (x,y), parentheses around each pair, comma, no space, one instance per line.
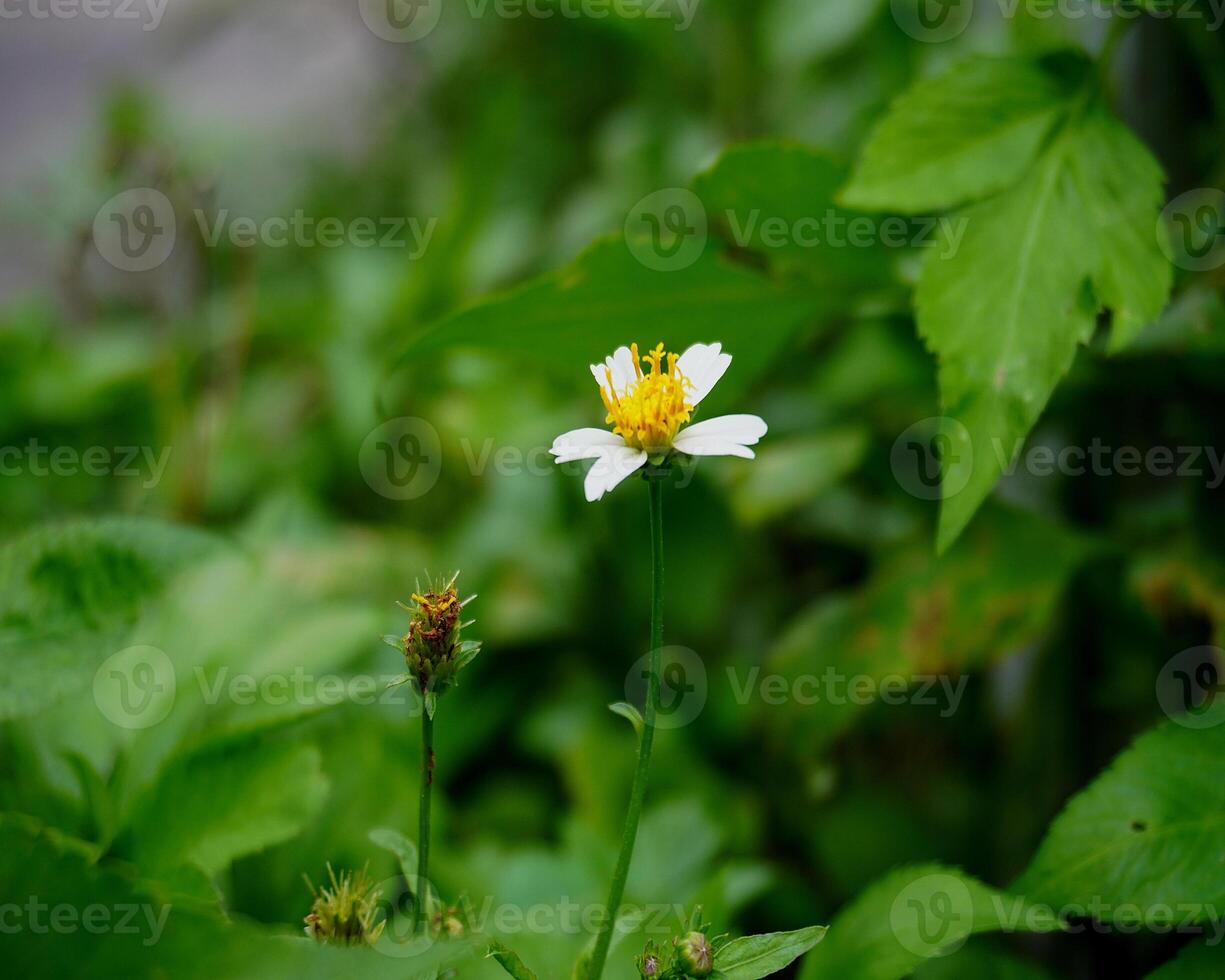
(423,834)
(639,790)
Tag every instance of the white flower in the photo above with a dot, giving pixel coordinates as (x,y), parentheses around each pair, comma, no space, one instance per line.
(649,412)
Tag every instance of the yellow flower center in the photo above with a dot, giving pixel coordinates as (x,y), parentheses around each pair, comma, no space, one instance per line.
(650,410)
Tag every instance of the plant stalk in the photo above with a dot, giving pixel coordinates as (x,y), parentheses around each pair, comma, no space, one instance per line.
(639,789)
(423,833)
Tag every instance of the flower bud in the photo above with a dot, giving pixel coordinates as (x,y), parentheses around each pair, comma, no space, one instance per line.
(650,963)
(434,650)
(694,954)
(343,914)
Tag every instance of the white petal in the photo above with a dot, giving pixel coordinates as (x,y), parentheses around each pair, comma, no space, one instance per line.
(621,364)
(728,435)
(610,468)
(583,444)
(703,365)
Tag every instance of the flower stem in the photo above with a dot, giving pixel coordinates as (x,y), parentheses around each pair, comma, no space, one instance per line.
(639,789)
(423,835)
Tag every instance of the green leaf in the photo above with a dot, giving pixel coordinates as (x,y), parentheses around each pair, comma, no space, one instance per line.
(70,592)
(509,960)
(166,936)
(1121,186)
(921,616)
(915,914)
(223,802)
(1006,311)
(629,713)
(754,957)
(1198,961)
(1145,832)
(581,313)
(978,962)
(399,845)
(777,199)
(956,138)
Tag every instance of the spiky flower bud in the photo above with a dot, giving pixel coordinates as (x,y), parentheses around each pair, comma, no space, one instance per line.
(343,914)
(694,954)
(434,650)
(650,963)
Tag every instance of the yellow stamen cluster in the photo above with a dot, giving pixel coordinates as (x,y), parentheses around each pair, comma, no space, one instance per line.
(651,409)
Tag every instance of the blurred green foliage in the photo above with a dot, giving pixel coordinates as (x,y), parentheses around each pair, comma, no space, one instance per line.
(257,375)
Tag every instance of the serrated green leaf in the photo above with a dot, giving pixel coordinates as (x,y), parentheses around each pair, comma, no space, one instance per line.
(1143,832)
(915,914)
(754,957)
(68,595)
(1121,186)
(223,802)
(964,135)
(1007,310)
(166,936)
